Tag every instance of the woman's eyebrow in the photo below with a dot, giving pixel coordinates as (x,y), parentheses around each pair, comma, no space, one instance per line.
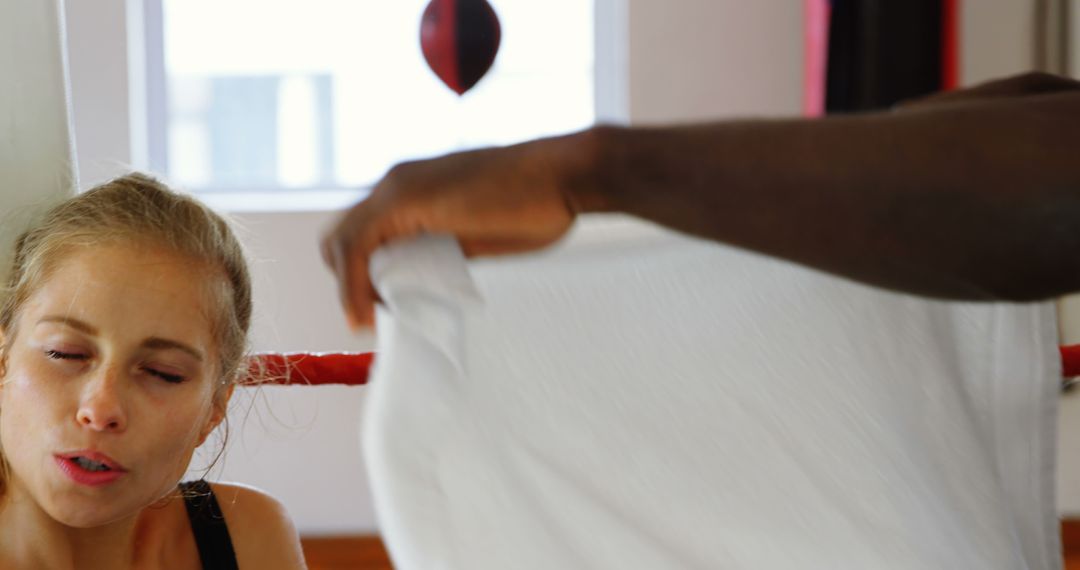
(159,343)
(73,323)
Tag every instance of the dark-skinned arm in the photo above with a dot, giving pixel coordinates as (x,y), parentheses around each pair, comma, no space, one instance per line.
(976,199)
(973,194)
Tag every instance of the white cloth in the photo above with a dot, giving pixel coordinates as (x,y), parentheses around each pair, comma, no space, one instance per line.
(36,164)
(636,399)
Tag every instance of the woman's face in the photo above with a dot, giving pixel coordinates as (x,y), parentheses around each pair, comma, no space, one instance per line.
(110,383)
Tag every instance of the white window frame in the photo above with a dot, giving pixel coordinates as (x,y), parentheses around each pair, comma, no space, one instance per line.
(144,133)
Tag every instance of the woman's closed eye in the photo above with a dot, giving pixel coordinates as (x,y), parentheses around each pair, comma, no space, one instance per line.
(64,355)
(166,376)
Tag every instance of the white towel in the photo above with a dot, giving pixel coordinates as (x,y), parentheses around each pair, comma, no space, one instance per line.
(637,399)
(36,164)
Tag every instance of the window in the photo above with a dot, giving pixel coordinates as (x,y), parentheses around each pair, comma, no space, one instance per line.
(314,95)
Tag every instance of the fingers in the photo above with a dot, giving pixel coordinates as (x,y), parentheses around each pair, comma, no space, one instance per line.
(346,249)
(335,254)
(358,293)
(494,201)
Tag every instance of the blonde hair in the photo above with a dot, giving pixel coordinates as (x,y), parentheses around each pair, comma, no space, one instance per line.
(138,209)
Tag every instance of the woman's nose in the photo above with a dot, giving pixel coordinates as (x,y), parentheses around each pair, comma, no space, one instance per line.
(101,407)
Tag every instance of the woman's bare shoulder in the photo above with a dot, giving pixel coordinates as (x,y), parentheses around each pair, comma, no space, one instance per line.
(262,532)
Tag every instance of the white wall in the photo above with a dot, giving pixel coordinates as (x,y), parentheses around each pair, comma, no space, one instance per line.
(996,39)
(97,33)
(700,59)
(35,138)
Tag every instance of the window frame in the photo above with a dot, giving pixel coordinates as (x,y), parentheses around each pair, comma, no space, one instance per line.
(150,113)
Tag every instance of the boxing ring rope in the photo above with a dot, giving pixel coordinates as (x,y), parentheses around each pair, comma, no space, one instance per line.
(309,369)
(353,368)
(1070,360)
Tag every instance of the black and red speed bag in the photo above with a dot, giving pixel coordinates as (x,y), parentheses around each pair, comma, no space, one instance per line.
(459,39)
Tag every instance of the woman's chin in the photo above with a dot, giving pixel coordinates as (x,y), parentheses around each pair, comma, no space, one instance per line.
(86,519)
(82,513)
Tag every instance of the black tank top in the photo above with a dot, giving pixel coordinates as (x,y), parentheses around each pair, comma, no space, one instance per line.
(209,526)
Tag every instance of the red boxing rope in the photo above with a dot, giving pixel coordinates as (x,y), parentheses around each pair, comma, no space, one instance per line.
(301,368)
(1070,360)
(352,369)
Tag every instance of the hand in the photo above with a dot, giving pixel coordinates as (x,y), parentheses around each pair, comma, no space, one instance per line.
(494,201)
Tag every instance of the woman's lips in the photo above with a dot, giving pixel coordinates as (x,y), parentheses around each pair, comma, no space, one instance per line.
(96,457)
(69,464)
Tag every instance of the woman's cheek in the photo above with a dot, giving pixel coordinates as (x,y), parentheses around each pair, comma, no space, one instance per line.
(25,390)
(183,430)
(20,416)
(37,373)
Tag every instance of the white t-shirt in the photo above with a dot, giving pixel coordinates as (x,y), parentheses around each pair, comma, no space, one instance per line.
(638,399)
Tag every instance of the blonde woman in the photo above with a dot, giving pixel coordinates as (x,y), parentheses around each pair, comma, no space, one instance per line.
(123,331)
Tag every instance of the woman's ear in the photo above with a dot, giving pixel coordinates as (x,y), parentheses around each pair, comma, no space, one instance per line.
(217,415)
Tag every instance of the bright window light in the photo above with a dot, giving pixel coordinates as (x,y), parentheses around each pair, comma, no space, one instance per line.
(317,95)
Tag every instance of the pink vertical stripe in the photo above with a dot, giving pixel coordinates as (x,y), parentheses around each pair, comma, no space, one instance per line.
(816,56)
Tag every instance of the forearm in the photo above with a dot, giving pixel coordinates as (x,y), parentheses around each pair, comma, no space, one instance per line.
(974,201)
